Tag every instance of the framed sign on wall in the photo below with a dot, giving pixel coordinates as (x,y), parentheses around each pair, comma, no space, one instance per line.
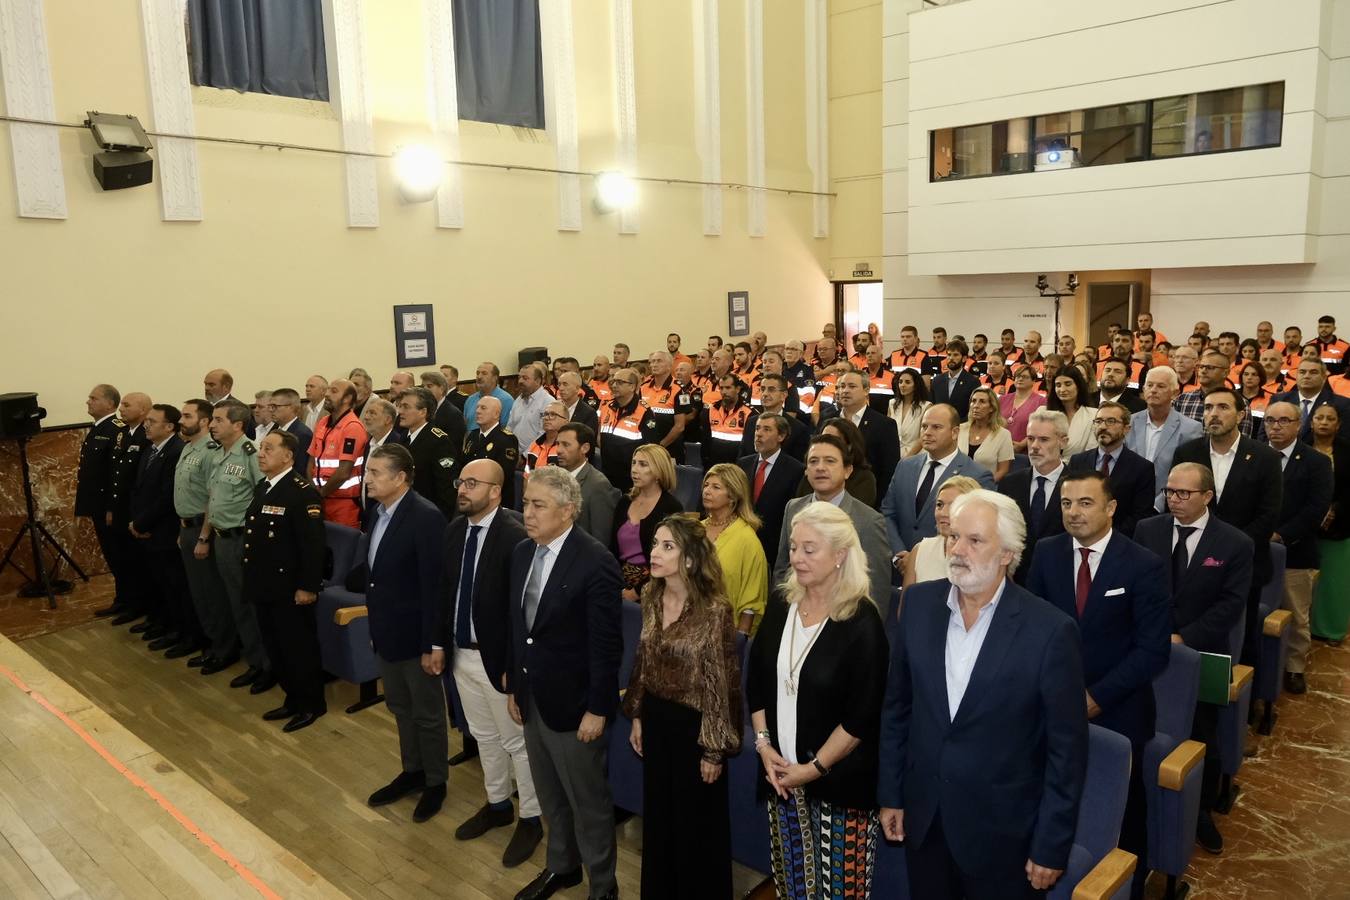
(738,313)
(414,335)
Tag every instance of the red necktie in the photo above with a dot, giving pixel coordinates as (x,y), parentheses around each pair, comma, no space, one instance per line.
(1106,464)
(759,477)
(1084,581)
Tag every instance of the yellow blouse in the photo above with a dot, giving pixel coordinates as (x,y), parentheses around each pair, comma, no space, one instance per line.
(745,571)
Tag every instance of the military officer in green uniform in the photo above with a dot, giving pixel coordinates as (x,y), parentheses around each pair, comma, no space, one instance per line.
(493,440)
(436,459)
(234,475)
(284,545)
(189,504)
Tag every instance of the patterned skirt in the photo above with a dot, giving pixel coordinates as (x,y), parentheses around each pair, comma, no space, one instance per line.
(821,850)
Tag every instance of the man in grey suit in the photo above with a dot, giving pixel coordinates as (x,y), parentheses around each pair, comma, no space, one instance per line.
(1157,430)
(827,469)
(912,496)
(598,497)
(578,410)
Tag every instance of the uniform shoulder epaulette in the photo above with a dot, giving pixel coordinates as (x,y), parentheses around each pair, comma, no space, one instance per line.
(506,430)
(301,481)
(212,445)
(437,432)
(642,401)
(117,420)
(249,448)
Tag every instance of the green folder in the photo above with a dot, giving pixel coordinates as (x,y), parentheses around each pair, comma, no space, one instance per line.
(1216,674)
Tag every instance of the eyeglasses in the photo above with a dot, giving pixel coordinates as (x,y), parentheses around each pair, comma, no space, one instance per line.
(1210,368)
(1178,493)
(1282,421)
(471,483)
(1111,421)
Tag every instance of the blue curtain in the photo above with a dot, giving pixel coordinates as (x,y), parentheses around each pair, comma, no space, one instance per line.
(261,46)
(498,62)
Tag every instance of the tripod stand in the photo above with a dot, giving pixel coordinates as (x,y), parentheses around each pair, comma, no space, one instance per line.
(45,583)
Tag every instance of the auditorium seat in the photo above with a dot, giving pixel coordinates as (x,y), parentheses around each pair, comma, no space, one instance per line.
(1098,869)
(689,488)
(1233,724)
(693,454)
(519,504)
(342,625)
(1173,767)
(1277,625)
(749,818)
(1021,461)
(625,766)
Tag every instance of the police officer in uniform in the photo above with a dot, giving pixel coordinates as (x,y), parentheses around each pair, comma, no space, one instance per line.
(724,421)
(625,423)
(436,459)
(234,475)
(190,479)
(691,392)
(670,405)
(132,579)
(284,549)
(95,473)
(492,440)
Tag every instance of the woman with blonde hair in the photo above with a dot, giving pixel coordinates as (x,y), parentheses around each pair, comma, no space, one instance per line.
(928,560)
(684,698)
(984,437)
(649,501)
(815,682)
(732,526)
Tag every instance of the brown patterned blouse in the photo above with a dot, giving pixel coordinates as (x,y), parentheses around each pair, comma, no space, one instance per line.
(694,662)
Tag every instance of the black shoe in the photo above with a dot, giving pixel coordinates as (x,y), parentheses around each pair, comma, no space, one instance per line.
(163,643)
(549,883)
(112,609)
(469,752)
(263,683)
(128,616)
(483,821)
(216,664)
(1295,683)
(301,720)
(611,894)
(251,674)
(200,660)
(527,836)
(178,651)
(406,783)
(430,803)
(1207,834)
(276,715)
(141,628)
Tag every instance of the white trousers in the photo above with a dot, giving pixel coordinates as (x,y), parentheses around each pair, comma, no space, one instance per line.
(501,742)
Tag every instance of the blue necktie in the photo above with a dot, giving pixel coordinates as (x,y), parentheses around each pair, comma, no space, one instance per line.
(1038,505)
(465,607)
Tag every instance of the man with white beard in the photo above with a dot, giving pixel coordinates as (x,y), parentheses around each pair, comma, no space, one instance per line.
(983,754)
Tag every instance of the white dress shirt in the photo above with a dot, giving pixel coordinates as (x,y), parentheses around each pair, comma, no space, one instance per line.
(1051,479)
(551,557)
(484,523)
(271,482)
(943,465)
(1154,437)
(770,462)
(1222,464)
(963,647)
(1094,558)
(1193,540)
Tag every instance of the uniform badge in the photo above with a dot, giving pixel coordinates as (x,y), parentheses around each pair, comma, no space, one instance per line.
(447,462)
(651,423)
(489,448)
(314,511)
(274,510)
(249,448)
(349,445)
(511,454)
(436,431)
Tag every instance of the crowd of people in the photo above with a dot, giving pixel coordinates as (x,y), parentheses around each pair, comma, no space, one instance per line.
(1038,517)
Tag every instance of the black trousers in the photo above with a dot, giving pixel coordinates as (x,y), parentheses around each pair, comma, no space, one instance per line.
(934,874)
(174,600)
(292,642)
(1206,730)
(686,824)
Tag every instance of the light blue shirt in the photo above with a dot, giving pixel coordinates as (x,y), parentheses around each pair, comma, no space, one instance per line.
(383,514)
(963,647)
(526,420)
(471,404)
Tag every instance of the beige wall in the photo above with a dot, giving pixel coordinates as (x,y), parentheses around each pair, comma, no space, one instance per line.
(274,286)
(855,135)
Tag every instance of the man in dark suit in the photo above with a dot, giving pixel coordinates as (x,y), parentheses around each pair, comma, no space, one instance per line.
(1312,391)
(153,528)
(578,410)
(95,473)
(283,572)
(1211,578)
(1248,491)
(475,630)
(1308,487)
(402,582)
(881,438)
(773,396)
(445,415)
(129,444)
(955,385)
(1114,387)
(984,728)
(773,475)
(566,642)
(911,499)
(1035,490)
(436,461)
(285,409)
(1117,593)
(575,446)
(1132,477)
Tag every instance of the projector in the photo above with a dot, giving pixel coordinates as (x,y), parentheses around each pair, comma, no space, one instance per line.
(1065,158)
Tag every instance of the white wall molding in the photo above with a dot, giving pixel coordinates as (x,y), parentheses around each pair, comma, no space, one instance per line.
(818,113)
(708,109)
(560,105)
(443,106)
(625,104)
(344,28)
(754,117)
(40,185)
(166,60)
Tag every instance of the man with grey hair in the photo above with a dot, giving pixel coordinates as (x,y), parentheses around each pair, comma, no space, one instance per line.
(285,409)
(1035,490)
(526,419)
(400,382)
(571,395)
(262,415)
(492,440)
(447,416)
(1158,429)
(365,389)
(1013,715)
(379,420)
(566,641)
(95,474)
(316,394)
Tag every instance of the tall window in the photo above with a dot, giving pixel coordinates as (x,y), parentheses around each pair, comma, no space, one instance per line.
(498,62)
(1232,119)
(258,46)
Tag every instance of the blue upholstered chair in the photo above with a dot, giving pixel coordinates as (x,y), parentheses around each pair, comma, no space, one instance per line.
(1233,722)
(689,488)
(625,767)
(1277,625)
(344,630)
(749,818)
(1173,767)
(1098,869)
(1020,461)
(693,454)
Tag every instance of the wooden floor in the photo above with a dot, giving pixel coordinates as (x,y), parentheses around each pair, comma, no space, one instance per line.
(306,791)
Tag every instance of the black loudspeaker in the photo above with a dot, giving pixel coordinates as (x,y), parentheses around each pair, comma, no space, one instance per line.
(123,169)
(20,415)
(532,354)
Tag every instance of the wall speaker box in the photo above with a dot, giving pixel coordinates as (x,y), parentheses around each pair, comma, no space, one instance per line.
(532,354)
(20,415)
(123,169)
